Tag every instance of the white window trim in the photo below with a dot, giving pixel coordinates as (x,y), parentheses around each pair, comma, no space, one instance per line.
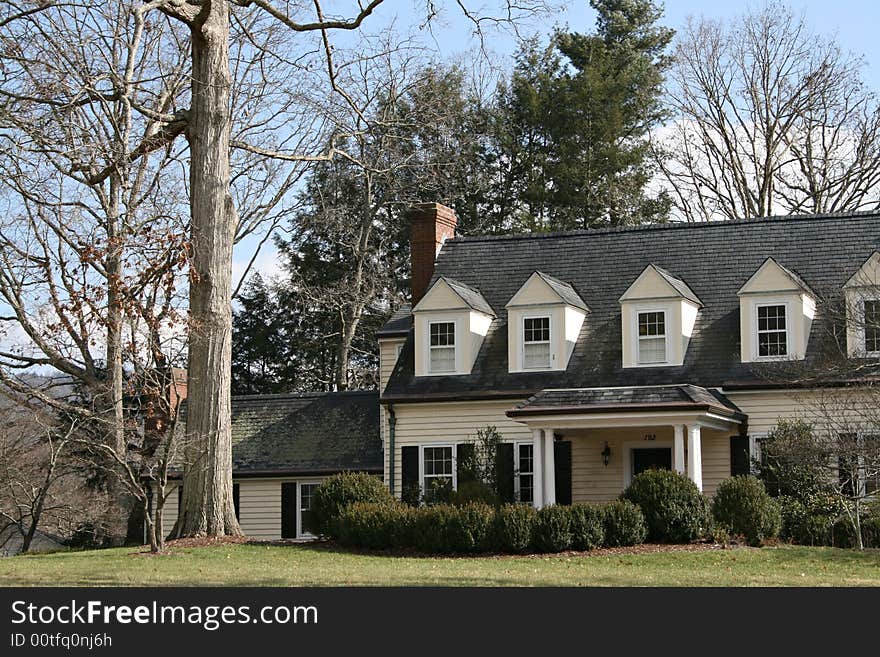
(522,353)
(756,348)
(300,532)
(861,332)
(516,472)
(422,464)
(638,338)
(455,334)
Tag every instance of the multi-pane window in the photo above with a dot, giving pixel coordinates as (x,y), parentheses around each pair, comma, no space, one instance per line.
(652,337)
(772,331)
(438,467)
(306,493)
(442,346)
(525,475)
(872,326)
(536,342)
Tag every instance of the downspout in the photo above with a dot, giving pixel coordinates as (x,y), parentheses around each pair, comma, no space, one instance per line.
(392,424)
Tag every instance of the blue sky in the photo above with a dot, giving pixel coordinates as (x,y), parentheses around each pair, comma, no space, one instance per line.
(852,22)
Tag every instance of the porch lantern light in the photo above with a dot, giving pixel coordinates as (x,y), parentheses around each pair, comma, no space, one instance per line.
(606,454)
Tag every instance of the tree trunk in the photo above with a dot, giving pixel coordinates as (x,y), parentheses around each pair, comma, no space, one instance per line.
(207,489)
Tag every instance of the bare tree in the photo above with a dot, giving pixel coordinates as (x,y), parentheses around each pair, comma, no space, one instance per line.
(281,36)
(769,118)
(37,474)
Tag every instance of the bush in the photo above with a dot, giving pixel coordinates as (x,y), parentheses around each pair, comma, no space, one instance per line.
(810,521)
(469,528)
(587,527)
(376,526)
(512,528)
(552,529)
(743,506)
(341,490)
(675,510)
(624,524)
(473,491)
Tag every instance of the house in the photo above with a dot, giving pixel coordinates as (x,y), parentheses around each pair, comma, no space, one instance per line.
(283,446)
(599,354)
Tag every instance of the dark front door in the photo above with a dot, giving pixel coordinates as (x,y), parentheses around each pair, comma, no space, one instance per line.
(652,458)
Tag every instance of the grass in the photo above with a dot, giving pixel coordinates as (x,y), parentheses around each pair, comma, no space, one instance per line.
(321,565)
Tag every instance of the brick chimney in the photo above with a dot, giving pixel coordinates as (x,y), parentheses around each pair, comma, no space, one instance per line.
(431,224)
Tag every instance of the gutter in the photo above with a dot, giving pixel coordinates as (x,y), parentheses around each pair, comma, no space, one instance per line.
(392,426)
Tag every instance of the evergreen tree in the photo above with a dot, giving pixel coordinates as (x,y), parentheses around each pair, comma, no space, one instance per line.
(577,117)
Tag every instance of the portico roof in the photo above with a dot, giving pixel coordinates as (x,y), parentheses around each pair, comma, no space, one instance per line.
(684,398)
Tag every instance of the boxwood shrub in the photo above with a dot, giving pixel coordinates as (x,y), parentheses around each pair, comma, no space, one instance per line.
(552,529)
(341,490)
(587,527)
(375,526)
(675,509)
(743,506)
(512,528)
(624,524)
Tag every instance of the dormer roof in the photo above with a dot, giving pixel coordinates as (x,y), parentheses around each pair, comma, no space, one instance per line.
(563,291)
(771,276)
(469,296)
(868,275)
(713,258)
(675,285)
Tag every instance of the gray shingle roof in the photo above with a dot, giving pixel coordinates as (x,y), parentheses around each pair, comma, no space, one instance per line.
(315,433)
(678,285)
(565,291)
(610,399)
(471,296)
(398,324)
(715,258)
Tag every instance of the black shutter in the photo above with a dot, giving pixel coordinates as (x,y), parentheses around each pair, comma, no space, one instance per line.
(562,468)
(740,458)
(464,453)
(235,502)
(505,471)
(409,474)
(288,510)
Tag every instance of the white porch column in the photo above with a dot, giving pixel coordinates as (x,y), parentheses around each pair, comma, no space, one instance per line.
(678,449)
(537,468)
(695,455)
(549,469)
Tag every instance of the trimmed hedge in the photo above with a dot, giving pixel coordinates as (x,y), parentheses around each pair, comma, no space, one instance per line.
(675,510)
(479,528)
(344,489)
(624,524)
(552,530)
(743,506)
(512,528)
(587,527)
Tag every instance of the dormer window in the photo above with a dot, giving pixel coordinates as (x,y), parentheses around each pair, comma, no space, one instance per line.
(544,321)
(450,323)
(776,312)
(442,347)
(772,331)
(658,313)
(871,318)
(652,337)
(536,343)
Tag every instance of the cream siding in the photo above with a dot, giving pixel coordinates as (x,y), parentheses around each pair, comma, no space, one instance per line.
(450,422)
(836,409)
(593,481)
(259,507)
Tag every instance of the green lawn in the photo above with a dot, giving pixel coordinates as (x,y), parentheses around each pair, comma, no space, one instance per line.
(321,565)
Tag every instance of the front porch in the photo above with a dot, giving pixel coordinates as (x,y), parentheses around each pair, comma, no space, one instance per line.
(616,433)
